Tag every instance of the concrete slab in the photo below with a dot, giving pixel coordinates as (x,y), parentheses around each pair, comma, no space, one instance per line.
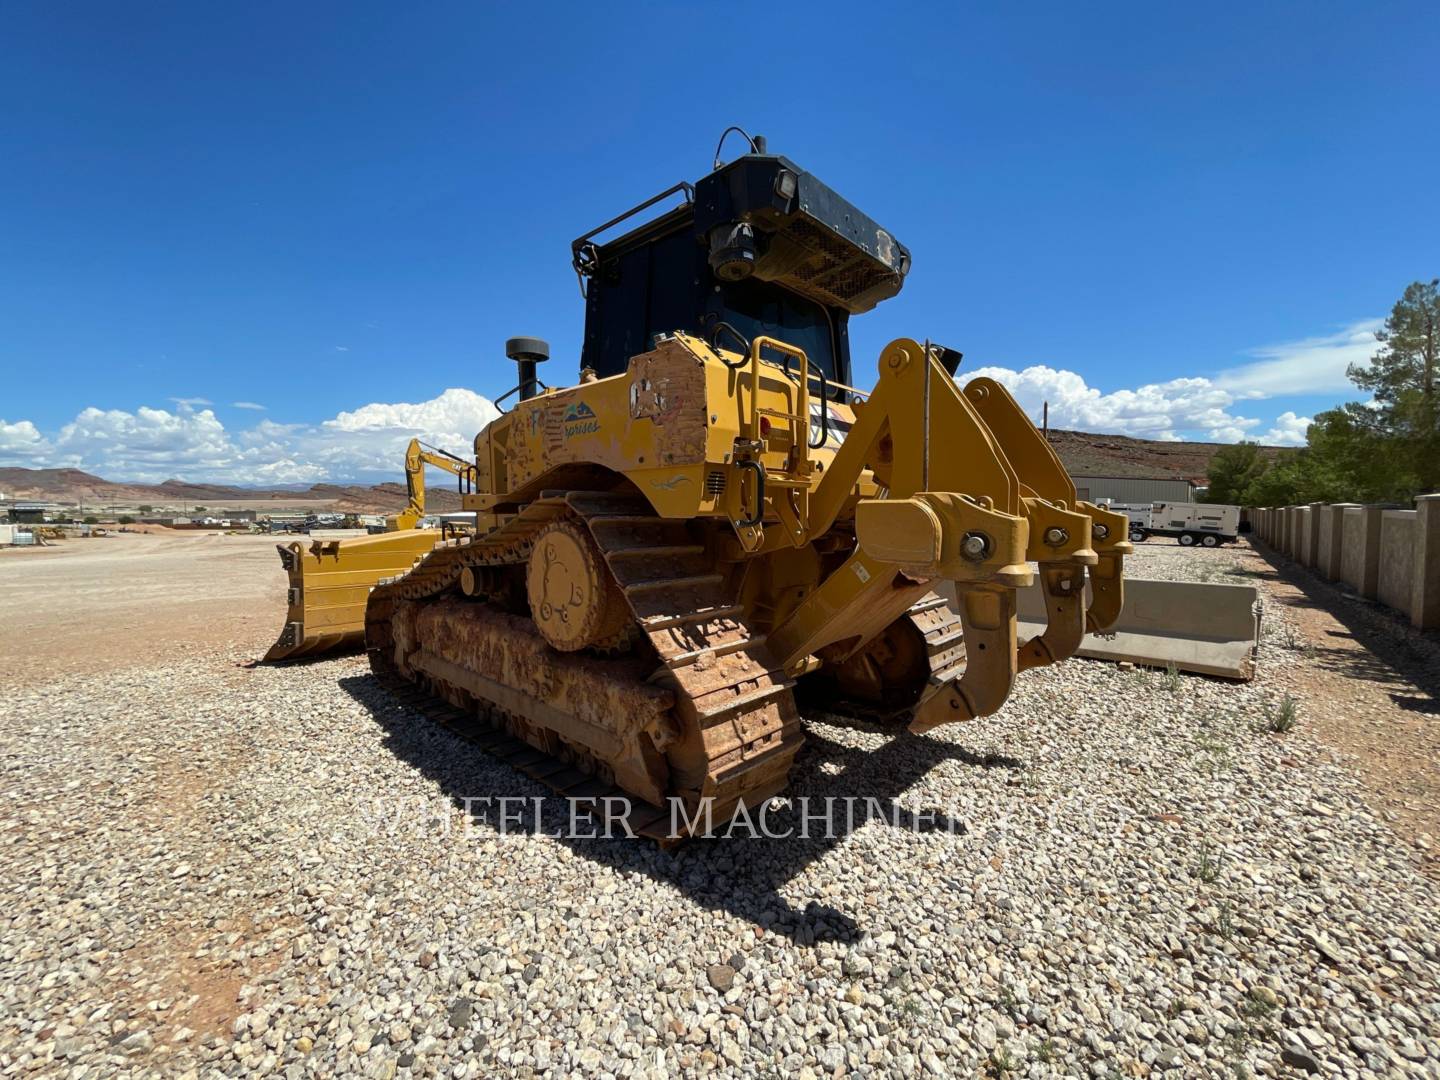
(1207,628)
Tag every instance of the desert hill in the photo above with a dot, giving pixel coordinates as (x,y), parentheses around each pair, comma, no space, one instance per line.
(75,486)
(1084,454)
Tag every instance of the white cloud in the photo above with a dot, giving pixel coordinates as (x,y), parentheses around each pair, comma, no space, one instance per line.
(1154,411)
(368,442)
(1201,407)
(454,410)
(1289,430)
(373,437)
(20,439)
(152,445)
(342,348)
(1309,366)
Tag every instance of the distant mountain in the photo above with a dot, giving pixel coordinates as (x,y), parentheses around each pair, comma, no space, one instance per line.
(75,486)
(1088,454)
(1084,454)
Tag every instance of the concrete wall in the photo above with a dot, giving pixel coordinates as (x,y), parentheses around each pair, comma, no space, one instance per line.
(1304,535)
(1360,549)
(1392,555)
(1331,543)
(1397,557)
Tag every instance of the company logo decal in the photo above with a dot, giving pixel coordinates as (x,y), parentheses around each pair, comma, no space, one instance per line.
(580,419)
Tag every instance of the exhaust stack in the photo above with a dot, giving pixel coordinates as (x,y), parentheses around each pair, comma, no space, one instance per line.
(527,352)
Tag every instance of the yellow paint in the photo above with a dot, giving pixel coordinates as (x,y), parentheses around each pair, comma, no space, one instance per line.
(932,483)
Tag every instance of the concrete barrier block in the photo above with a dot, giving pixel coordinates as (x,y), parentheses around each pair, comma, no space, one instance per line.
(1310,543)
(1197,626)
(1360,550)
(1394,583)
(1332,539)
(1425,582)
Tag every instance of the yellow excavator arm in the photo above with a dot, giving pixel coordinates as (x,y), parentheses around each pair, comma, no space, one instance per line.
(417,456)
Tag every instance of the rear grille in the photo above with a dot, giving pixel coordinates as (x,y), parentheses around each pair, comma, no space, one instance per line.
(834,269)
(715,483)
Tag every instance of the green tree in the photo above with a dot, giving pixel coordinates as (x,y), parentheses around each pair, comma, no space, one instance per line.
(1232,470)
(1283,483)
(126,519)
(146,508)
(1354,459)
(1402,378)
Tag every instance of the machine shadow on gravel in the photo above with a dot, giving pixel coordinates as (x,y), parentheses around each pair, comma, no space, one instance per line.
(741,875)
(1394,653)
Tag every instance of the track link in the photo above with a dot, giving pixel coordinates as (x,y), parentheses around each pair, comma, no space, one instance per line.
(940,631)
(941,627)
(732,731)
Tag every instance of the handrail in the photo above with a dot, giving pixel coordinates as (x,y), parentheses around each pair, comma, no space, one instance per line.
(863,394)
(515,390)
(824,406)
(800,422)
(583,251)
(759,516)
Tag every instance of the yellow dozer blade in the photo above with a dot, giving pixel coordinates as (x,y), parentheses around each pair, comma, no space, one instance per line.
(330,580)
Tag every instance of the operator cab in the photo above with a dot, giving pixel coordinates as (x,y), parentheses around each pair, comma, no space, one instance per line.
(757,247)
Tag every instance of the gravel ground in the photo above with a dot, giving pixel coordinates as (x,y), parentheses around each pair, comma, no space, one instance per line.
(213,870)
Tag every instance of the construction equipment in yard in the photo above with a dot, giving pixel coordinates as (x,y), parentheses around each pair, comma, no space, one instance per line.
(713,512)
(330,579)
(1206,524)
(417,456)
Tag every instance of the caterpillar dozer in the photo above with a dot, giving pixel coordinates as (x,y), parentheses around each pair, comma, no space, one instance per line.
(714,511)
(330,579)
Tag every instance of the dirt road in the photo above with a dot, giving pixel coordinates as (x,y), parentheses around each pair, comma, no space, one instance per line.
(113,602)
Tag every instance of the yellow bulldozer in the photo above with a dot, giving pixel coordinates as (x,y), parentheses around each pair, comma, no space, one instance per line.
(713,511)
(330,579)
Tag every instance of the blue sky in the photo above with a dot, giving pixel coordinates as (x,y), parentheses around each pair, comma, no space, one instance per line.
(1177,221)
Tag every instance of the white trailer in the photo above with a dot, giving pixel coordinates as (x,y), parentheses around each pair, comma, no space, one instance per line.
(1206,524)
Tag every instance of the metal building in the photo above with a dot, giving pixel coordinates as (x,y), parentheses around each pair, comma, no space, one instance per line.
(30,513)
(1134,489)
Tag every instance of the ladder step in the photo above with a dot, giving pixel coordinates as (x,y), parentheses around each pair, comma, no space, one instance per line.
(604,498)
(659,551)
(684,659)
(624,519)
(676,583)
(690,618)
